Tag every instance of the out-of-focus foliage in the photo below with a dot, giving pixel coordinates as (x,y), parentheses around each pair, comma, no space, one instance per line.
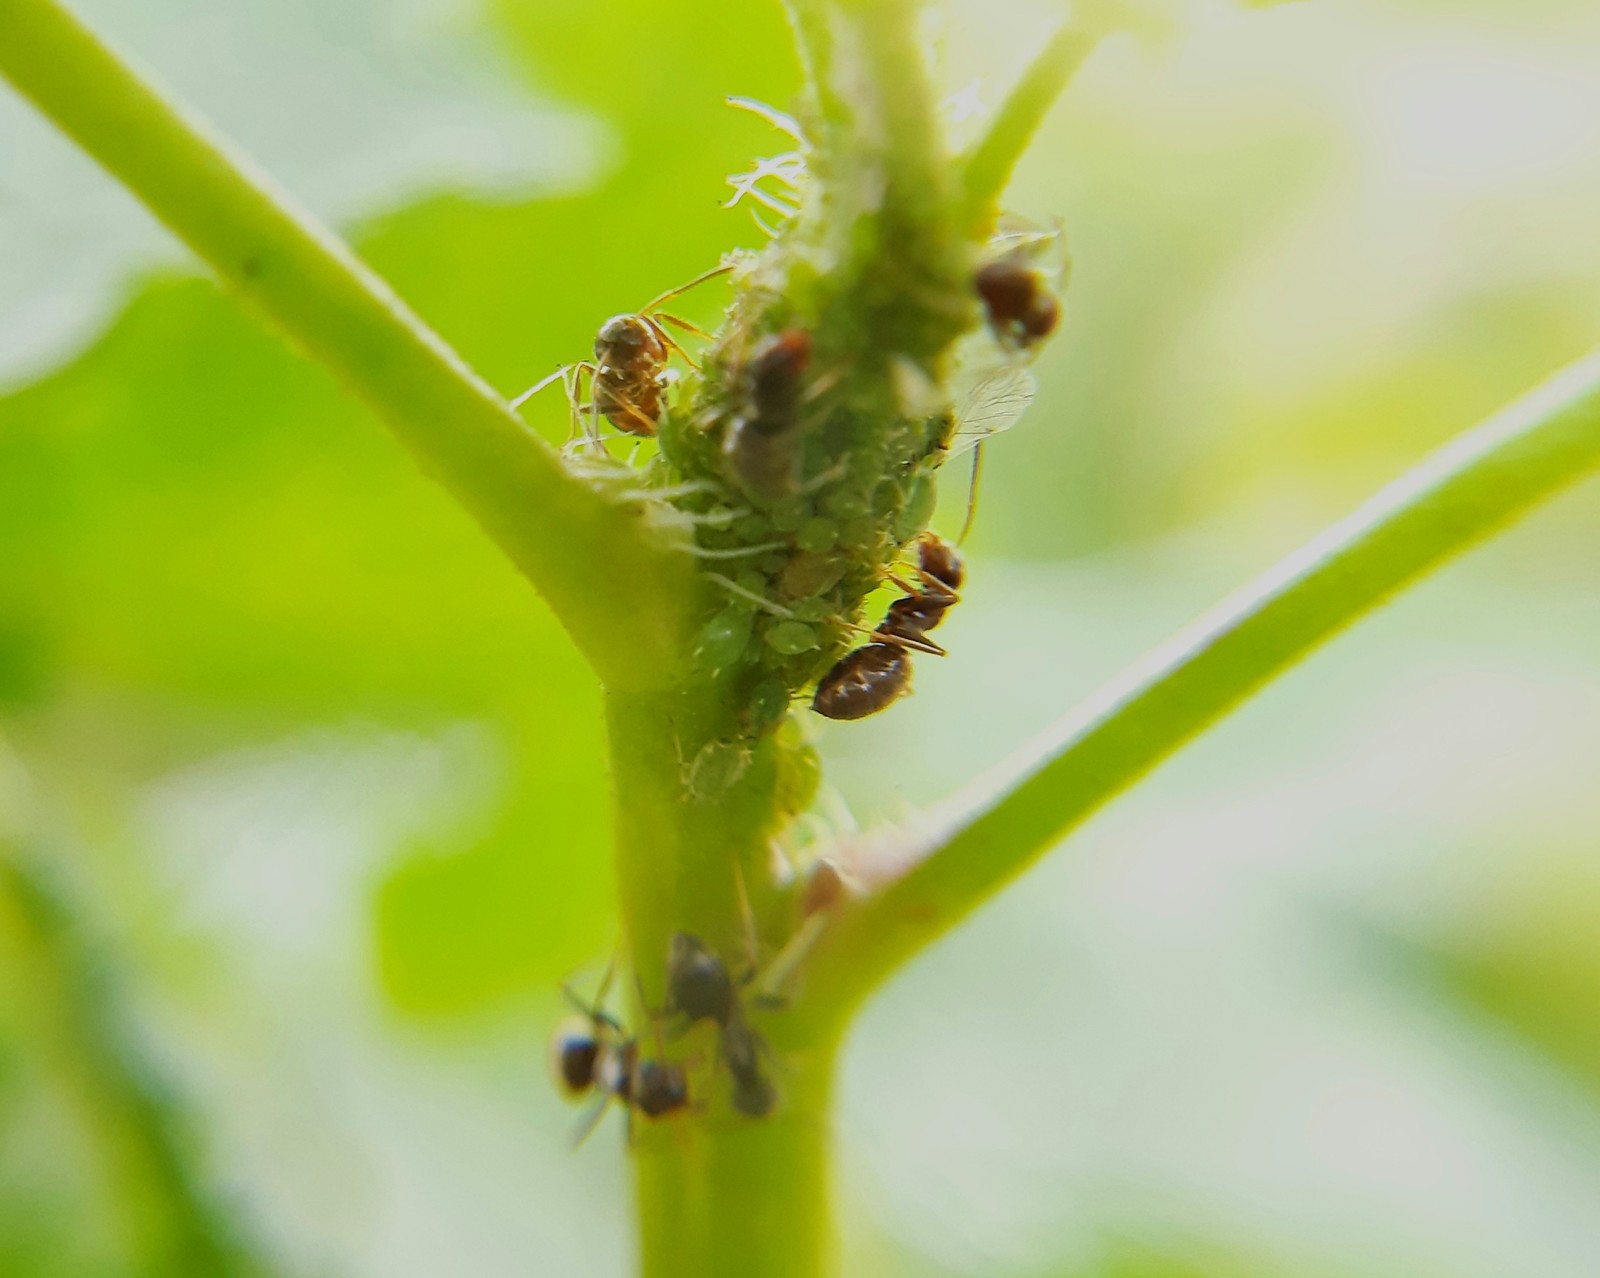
(329,780)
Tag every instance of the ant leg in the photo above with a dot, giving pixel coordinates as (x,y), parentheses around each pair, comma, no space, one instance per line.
(900,641)
(559,374)
(931,589)
(590,1121)
(679,322)
(666,338)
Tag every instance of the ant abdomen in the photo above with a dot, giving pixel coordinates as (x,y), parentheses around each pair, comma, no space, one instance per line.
(863,682)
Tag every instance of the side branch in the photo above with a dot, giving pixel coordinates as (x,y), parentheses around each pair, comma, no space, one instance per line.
(987,167)
(974,844)
(561,532)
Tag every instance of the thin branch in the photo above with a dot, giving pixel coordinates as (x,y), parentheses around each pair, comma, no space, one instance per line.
(559,530)
(987,167)
(974,844)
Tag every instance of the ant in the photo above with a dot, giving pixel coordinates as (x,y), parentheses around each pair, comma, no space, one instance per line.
(595,1053)
(700,987)
(629,371)
(869,679)
(757,444)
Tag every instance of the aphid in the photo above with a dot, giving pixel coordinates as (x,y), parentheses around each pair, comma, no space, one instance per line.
(863,682)
(1021,309)
(629,371)
(759,444)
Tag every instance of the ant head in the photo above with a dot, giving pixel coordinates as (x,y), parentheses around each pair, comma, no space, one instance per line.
(940,560)
(576,1055)
(625,340)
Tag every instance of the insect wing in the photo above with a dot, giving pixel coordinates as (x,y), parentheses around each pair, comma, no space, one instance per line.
(994,404)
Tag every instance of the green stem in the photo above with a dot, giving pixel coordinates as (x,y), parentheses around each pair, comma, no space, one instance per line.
(718,1194)
(982,839)
(987,168)
(560,531)
(59,986)
(729,1197)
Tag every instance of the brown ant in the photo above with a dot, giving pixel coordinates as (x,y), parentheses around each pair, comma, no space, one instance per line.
(700,988)
(862,682)
(869,679)
(757,444)
(629,371)
(596,1054)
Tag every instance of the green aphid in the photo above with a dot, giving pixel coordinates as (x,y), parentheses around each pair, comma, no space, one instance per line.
(791,638)
(816,535)
(723,639)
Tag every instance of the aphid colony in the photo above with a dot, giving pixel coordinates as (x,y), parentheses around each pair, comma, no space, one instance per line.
(594,1055)
(811,513)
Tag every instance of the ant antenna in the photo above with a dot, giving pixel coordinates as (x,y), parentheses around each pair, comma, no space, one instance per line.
(698,280)
(972,493)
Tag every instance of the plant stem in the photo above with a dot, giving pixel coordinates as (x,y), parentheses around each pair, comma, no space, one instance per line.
(718,1194)
(976,843)
(560,531)
(987,168)
(729,1197)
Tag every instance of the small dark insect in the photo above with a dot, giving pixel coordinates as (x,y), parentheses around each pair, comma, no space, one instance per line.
(658,1088)
(698,983)
(863,682)
(700,987)
(595,1054)
(577,1056)
(1021,310)
(758,446)
(753,1095)
(629,371)
(584,1046)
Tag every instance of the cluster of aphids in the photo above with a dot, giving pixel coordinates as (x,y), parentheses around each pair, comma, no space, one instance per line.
(595,1056)
(806,499)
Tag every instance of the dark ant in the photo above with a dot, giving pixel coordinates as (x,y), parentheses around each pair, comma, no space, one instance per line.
(862,682)
(597,1054)
(700,988)
(869,679)
(757,444)
(629,371)
(1022,311)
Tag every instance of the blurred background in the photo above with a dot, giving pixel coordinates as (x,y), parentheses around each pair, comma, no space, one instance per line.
(324,784)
